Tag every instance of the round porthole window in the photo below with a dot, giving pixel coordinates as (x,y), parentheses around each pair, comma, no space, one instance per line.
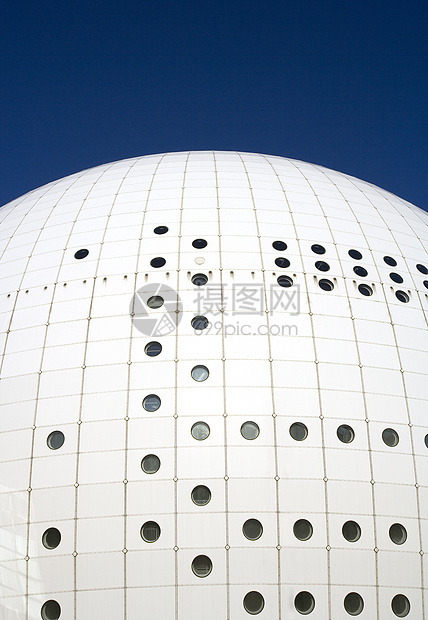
(322,266)
(199,279)
(150,464)
(157,262)
(152,402)
(422,269)
(425,283)
(199,322)
(390,437)
(318,249)
(302,529)
(252,529)
(200,373)
(200,431)
(304,603)
(355,254)
(298,431)
(201,495)
(398,533)
(51,610)
(390,261)
(150,531)
(253,603)
(55,440)
(155,302)
(160,230)
(345,433)
(152,349)
(365,290)
(199,244)
(326,285)
(282,262)
(426,440)
(202,566)
(250,430)
(400,605)
(51,538)
(402,296)
(81,254)
(360,271)
(353,604)
(351,531)
(395,277)
(285,281)
(279,245)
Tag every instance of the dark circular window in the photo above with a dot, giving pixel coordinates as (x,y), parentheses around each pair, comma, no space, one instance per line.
(360,271)
(152,402)
(285,281)
(365,290)
(51,610)
(326,285)
(158,262)
(199,322)
(426,440)
(282,262)
(322,266)
(201,495)
(250,430)
(150,464)
(351,531)
(390,261)
(353,604)
(345,433)
(252,529)
(200,244)
(152,349)
(200,431)
(55,440)
(400,605)
(396,277)
(402,296)
(398,533)
(302,529)
(150,531)
(390,437)
(200,373)
(425,283)
(298,431)
(51,538)
(318,249)
(253,603)
(160,230)
(304,603)
(199,279)
(422,269)
(355,254)
(279,245)
(81,254)
(155,302)
(202,566)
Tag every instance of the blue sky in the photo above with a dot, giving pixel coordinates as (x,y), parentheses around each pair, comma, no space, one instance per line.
(342,84)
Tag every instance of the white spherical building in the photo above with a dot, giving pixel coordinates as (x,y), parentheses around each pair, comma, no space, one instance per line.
(214,394)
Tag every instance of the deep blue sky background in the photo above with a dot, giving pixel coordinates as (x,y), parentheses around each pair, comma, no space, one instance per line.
(339,83)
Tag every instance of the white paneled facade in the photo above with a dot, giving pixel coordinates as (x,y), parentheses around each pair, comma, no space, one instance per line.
(292,480)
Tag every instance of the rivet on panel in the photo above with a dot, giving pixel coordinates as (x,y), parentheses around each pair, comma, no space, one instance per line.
(277,478)
(226,478)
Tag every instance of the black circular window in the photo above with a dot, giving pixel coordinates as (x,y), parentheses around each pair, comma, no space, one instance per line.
(353,604)
(400,605)
(322,266)
(304,603)
(422,269)
(326,285)
(318,249)
(199,279)
(390,437)
(159,261)
(398,533)
(152,349)
(152,402)
(360,271)
(351,531)
(390,261)
(253,603)
(150,464)
(345,433)
(285,281)
(160,230)
(51,610)
(51,538)
(150,531)
(426,283)
(201,495)
(298,431)
(302,529)
(402,296)
(199,243)
(355,254)
(199,322)
(396,277)
(365,290)
(202,566)
(155,302)
(426,440)
(55,440)
(252,529)
(279,245)
(281,261)
(81,254)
